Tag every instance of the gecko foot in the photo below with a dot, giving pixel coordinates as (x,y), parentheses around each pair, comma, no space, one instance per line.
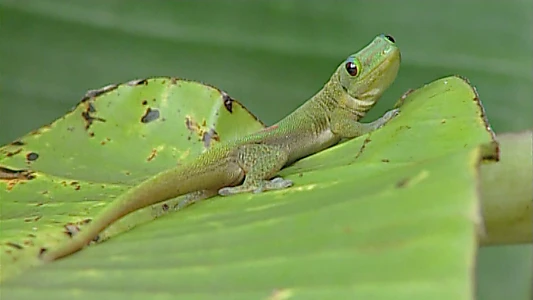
(265,185)
(384,119)
(390,114)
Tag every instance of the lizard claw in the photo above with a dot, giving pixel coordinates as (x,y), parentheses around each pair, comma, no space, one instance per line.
(391,114)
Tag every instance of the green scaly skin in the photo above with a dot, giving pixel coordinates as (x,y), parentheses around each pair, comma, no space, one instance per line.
(329,116)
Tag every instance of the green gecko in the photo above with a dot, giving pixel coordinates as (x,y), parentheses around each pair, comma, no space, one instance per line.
(249,163)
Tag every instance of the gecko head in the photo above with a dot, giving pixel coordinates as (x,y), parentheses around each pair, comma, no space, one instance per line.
(365,75)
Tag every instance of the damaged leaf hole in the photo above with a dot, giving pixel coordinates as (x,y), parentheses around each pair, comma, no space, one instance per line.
(90,94)
(150,115)
(32,156)
(138,82)
(208,136)
(72,229)
(228,102)
(90,107)
(6,173)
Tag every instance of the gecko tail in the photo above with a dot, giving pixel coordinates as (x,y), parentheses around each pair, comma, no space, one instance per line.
(164,186)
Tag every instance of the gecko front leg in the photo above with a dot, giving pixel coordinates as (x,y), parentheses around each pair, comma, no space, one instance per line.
(259,162)
(344,124)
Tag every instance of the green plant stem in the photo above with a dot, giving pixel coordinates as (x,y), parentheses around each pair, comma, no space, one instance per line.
(507,192)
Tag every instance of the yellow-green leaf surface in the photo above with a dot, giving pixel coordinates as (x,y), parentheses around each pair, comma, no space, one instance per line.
(390,215)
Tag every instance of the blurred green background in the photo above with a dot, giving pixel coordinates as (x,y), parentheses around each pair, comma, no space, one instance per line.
(271,56)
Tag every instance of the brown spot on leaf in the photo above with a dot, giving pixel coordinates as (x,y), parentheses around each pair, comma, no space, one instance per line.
(492,151)
(36,132)
(9,154)
(192,125)
(32,219)
(402,183)
(145,102)
(105,141)
(385,160)
(403,127)
(152,155)
(32,156)
(165,207)
(14,245)
(150,115)
(18,143)
(365,142)
(89,119)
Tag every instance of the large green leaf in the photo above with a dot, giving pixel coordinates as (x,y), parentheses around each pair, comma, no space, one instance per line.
(271,54)
(55,177)
(365,218)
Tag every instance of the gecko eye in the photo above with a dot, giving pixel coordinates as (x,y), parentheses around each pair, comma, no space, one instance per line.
(351,68)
